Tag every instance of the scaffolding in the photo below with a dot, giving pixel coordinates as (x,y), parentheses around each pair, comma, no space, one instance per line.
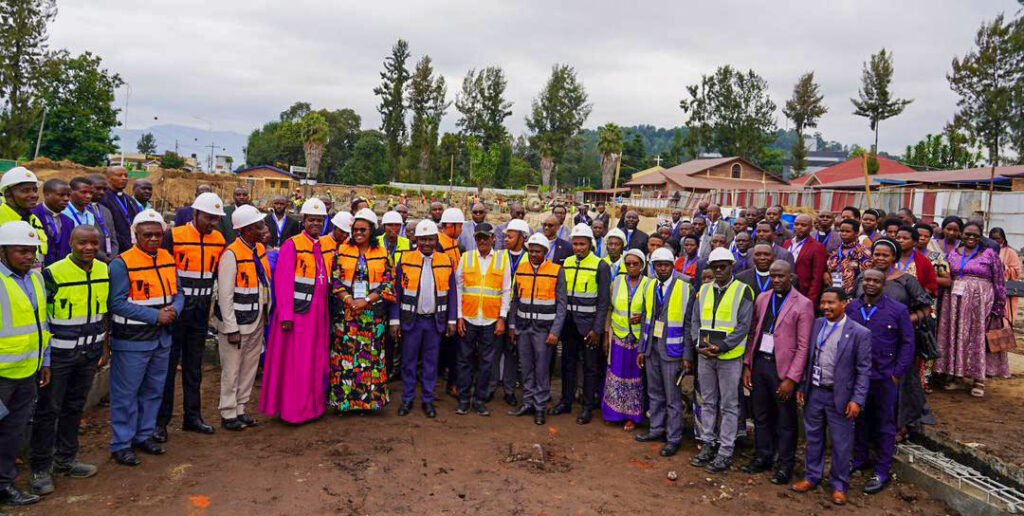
(966,479)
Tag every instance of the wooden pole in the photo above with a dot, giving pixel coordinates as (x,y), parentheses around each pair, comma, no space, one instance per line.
(991,190)
(867,181)
(618,167)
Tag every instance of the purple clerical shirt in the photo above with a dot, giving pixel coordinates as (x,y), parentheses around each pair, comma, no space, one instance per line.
(892,335)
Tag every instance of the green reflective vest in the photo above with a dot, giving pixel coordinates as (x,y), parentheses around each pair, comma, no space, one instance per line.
(723,319)
(23,333)
(581,283)
(624,307)
(403,245)
(78,307)
(616,271)
(7,214)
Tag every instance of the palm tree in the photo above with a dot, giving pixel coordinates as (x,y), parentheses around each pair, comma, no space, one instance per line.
(609,142)
(315,133)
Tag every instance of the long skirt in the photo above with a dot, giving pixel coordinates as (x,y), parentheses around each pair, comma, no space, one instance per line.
(359,374)
(962,334)
(623,387)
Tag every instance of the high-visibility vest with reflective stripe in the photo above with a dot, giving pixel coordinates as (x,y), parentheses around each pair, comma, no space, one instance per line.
(675,322)
(403,244)
(347,261)
(305,270)
(23,333)
(153,283)
(623,308)
(615,271)
(246,297)
(723,319)
(329,247)
(481,295)
(537,291)
(412,265)
(7,214)
(450,247)
(196,256)
(78,307)
(581,283)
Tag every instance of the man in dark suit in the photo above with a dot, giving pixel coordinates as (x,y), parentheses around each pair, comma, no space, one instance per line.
(635,239)
(763,233)
(559,249)
(282,227)
(121,205)
(241,198)
(827,233)
(835,389)
(810,258)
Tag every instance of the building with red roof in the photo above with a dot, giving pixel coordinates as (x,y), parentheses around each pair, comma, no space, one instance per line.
(848,170)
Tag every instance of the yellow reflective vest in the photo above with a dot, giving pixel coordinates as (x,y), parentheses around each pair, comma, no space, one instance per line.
(723,319)
(581,283)
(627,303)
(23,333)
(77,307)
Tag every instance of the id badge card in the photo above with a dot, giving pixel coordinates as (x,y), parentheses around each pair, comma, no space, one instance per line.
(837,279)
(767,343)
(659,329)
(959,288)
(816,374)
(360,289)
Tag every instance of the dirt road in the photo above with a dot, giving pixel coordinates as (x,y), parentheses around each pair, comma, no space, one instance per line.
(384,464)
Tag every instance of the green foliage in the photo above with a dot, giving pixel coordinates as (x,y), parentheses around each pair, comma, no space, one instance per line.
(79,96)
(369,162)
(171,159)
(556,115)
(392,104)
(387,190)
(23,54)
(804,109)
(875,101)
(772,160)
(609,143)
(948,151)
(146,144)
(483,106)
(581,163)
(314,133)
(427,100)
(521,173)
(280,141)
(484,163)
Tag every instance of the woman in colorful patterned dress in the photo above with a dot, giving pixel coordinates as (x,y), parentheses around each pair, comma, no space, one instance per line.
(849,259)
(361,288)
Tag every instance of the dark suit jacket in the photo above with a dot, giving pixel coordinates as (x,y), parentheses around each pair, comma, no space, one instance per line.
(563,250)
(123,216)
(810,268)
(792,333)
(291,228)
(638,240)
(852,375)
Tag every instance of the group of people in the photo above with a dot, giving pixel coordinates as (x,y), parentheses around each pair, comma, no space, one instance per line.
(334,306)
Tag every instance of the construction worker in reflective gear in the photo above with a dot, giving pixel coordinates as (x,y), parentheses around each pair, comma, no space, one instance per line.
(484,282)
(77,287)
(21,194)
(145,299)
(537,314)
(505,367)
(615,245)
(391,239)
(329,244)
(24,347)
(241,314)
(588,283)
(623,392)
(662,347)
(425,309)
(448,243)
(196,248)
(721,319)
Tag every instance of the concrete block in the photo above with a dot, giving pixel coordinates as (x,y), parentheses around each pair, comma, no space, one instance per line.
(962,501)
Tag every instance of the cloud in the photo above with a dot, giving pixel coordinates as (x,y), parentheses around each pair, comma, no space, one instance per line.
(239,63)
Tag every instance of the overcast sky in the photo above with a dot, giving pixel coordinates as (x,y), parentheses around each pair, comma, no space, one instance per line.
(238,63)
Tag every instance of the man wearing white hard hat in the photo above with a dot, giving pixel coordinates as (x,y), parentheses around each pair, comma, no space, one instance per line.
(506,366)
(424,311)
(662,347)
(21,194)
(241,314)
(297,360)
(587,284)
(145,300)
(450,230)
(537,316)
(196,248)
(615,244)
(120,204)
(392,239)
(26,352)
(722,315)
(341,228)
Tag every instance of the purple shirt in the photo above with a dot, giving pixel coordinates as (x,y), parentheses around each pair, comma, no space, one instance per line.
(985,265)
(892,335)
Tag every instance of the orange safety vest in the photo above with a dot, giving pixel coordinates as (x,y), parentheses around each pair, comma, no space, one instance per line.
(450,247)
(329,247)
(306,250)
(536,291)
(481,293)
(196,256)
(153,283)
(247,281)
(411,264)
(347,261)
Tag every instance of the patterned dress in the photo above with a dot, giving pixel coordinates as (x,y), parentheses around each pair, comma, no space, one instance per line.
(623,398)
(845,265)
(358,363)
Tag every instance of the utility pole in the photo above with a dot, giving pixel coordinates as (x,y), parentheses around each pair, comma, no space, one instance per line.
(451,177)
(128,94)
(39,139)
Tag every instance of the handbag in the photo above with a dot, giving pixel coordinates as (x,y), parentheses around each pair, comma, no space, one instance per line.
(927,344)
(1001,339)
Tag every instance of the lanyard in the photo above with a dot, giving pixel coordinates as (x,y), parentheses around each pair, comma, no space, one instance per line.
(794,249)
(775,313)
(689,263)
(827,237)
(964,263)
(763,287)
(515,260)
(740,257)
(551,252)
(823,336)
(842,255)
(905,266)
(868,315)
(123,204)
(74,213)
(280,226)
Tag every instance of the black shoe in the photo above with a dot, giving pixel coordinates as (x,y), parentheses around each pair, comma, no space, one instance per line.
(429,410)
(73,469)
(650,438)
(781,477)
(126,457)
(670,449)
(757,465)
(489,397)
(463,408)
(160,434)
(584,418)
(523,410)
(405,409)
(151,447)
(875,485)
(719,465)
(10,495)
(706,455)
(510,399)
(538,417)
(248,420)
(234,424)
(561,408)
(481,409)
(198,426)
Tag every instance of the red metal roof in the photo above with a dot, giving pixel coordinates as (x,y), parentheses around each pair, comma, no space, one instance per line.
(969,175)
(850,169)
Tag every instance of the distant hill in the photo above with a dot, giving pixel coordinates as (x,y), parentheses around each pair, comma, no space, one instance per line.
(191,140)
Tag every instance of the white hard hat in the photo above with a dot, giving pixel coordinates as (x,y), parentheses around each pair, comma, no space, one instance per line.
(209,202)
(245,215)
(662,254)
(582,230)
(366,214)
(452,216)
(19,232)
(721,254)
(639,254)
(539,239)
(17,175)
(616,233)
(314,206)
(343,221)
(148,215)
(519,225)
(391,217)
(426,227)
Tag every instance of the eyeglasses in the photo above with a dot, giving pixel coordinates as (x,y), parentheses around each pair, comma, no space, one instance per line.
(720,266)
(360,230)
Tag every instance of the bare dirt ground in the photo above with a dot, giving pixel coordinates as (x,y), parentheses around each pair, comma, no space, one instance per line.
(984,422)
(385,464)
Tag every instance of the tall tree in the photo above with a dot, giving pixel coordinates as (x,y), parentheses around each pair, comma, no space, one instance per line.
(392,102)
(483,163)
(146,144)
(427,94)
(875,101)
(23,50)
(369,162)
(609,142)
(315,133)
(557,114)
(483,106)
(951,150)
(804,109)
